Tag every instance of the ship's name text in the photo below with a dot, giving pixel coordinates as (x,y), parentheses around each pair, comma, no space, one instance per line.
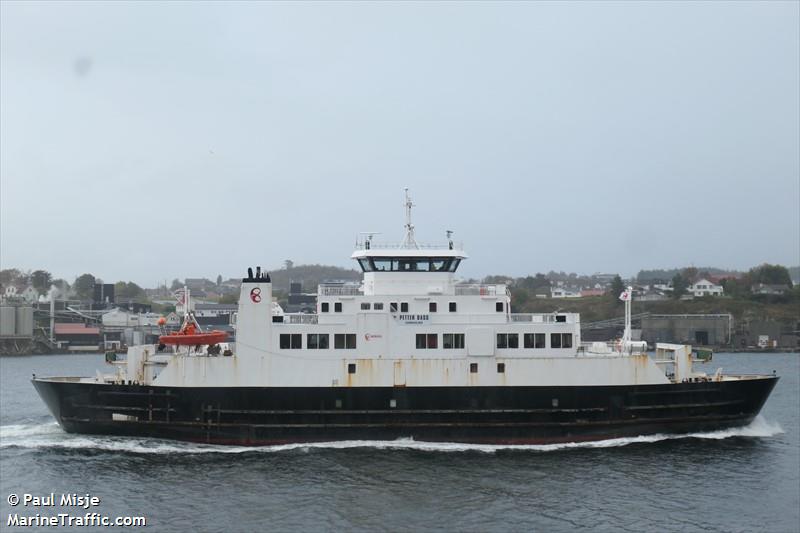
(414,319)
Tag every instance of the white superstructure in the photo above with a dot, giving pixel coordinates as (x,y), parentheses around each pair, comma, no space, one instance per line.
(409,323)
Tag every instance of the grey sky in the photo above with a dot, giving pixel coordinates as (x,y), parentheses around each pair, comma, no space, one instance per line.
(148,141)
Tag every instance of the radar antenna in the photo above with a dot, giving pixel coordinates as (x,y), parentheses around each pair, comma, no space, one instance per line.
(409,241)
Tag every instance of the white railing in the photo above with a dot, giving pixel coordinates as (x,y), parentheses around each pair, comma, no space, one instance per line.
(539,318)
(299,318)
(338,290)
(609,347)
(361,245)
(481,289)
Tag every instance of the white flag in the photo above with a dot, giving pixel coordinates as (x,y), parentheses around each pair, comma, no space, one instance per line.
(625,295)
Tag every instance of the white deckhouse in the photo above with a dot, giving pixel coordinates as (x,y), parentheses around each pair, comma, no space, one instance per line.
(410,323)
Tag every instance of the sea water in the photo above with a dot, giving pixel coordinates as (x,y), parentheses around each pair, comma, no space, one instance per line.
(743,479)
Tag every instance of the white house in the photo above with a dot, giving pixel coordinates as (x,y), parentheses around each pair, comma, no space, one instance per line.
(563,292)
(703,287)
(29,294)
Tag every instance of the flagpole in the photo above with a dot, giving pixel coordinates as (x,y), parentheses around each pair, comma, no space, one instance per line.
(626,336)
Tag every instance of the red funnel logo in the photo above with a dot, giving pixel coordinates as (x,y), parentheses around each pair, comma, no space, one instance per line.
(255,295)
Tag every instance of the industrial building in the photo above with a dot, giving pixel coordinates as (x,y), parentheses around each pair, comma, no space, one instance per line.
(16,321)
(699,330)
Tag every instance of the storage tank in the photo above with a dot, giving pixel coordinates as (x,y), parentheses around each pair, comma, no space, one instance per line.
(8,320)
(24,326)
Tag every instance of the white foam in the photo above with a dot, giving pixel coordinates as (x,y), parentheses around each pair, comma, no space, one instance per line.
(43,436)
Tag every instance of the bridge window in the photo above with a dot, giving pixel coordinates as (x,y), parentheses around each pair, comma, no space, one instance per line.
(365,306)
(404,307)
(453,307)
(378,306)
(409,264)
(317,341)
(431,307)
(427,340)
(453,341)
(337,307)
(325,307)
(498,307)
(344,341)
(291,341)
(393,307)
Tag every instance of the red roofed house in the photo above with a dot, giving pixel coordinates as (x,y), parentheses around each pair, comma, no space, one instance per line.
(77,336)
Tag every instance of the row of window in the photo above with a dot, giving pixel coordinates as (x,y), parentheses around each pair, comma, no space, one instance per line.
(424,341)
(317,341)
(504,340)
(473,369)
(433,307)
(534,340)
(409,264)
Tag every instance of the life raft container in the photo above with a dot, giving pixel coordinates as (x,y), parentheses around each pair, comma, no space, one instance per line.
(182,339)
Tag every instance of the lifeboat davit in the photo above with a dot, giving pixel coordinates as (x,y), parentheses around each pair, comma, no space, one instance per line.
(193,339)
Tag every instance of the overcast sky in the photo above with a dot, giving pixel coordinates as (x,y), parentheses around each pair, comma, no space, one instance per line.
(146,141)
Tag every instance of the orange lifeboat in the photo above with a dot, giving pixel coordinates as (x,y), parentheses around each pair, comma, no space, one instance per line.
(193,339)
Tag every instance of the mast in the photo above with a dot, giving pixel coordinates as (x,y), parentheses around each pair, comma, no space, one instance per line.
(409,241)
(626,335)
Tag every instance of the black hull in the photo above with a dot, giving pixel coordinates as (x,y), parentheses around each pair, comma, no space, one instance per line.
(498,415)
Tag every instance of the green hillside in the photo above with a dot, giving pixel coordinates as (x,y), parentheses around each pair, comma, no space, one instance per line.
(310,276)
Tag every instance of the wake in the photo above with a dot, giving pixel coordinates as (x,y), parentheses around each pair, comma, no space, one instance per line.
(50,436)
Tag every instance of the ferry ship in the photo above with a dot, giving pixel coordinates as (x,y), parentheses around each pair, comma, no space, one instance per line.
(411,352)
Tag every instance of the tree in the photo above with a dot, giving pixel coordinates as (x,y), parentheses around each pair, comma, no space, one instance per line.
(288,264)
(9,276)
(176,284)
(532,283)
(519,300)
(41,280)
(219,280)
(128,290)
(84,286)
(690,274)
(771,275)
(498,279)
(617,287)
(679,286)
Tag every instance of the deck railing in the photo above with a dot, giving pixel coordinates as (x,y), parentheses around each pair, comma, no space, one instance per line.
(362,245)
(539,318)
(339,290)
(481,289)
(300,318)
